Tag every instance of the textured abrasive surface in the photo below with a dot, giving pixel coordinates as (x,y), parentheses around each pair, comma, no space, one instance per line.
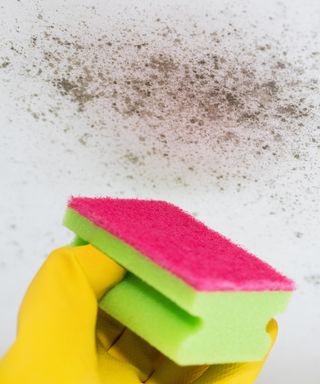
(185,247)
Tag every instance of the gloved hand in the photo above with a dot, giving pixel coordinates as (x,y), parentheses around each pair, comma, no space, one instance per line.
(64,339)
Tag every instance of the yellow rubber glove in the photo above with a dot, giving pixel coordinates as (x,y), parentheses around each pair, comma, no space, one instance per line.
(63,337)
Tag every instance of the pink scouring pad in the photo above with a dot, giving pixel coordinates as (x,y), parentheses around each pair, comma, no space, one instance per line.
(175,241)
(177,265)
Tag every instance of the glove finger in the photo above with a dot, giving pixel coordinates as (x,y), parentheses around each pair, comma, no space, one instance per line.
(170,373)
(61,302)
(108,330)
(114,371)
(56,326)
(101,271)
(135,351)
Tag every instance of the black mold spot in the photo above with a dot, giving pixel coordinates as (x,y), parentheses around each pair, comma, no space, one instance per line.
(313,279)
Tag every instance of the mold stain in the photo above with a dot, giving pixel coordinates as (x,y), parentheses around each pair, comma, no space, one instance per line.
(313,279)
(189,88)
(202,107)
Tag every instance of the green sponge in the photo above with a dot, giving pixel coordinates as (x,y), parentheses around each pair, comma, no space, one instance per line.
(190,292)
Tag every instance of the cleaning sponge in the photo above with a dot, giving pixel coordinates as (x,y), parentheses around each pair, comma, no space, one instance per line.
(189,292)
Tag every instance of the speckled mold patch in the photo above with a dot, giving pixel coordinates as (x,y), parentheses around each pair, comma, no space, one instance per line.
(209,101)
